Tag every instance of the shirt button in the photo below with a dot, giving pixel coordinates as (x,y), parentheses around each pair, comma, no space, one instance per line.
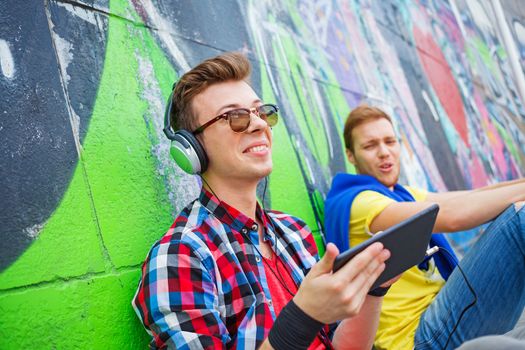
(255,227)
(270,302)
(258,259)
(244,230)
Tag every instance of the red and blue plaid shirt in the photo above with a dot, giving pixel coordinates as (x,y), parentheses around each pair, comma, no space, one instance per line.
(203,284)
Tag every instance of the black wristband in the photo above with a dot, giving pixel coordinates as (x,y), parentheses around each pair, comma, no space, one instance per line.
(293,329)
(379,291)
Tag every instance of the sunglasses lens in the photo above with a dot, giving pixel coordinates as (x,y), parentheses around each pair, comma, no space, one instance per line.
(239,120)
(269,114)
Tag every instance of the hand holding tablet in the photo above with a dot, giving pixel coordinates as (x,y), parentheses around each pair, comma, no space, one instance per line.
(407,242)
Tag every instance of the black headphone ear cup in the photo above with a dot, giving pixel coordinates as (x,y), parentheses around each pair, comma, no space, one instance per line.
(188,152)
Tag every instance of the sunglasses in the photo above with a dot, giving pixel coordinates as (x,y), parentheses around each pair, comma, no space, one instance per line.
(239,119)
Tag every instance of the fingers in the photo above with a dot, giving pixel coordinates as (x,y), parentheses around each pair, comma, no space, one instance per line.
(326,264)
(358,288)
(362,283)
(368,266)
(341,293)
(365,262)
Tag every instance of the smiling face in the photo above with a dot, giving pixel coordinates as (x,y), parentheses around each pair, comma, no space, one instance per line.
(233,157)
(376,151)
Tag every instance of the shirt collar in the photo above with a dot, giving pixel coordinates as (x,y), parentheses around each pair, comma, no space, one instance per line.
(235,219)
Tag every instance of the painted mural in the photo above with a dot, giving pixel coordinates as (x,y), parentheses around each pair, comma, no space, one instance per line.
(87,182)
(515,16)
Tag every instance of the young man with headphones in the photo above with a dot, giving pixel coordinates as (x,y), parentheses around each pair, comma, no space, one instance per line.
(228,273)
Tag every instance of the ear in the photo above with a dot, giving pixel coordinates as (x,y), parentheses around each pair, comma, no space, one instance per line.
(350,156)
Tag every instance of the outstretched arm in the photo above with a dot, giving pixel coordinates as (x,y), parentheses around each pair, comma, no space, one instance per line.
(460,210)
(451,194)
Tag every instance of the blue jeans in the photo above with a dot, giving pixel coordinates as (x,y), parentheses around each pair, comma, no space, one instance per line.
(495,267)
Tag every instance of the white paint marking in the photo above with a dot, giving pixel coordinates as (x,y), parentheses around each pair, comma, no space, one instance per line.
(520,32)
(480,17)
(63,48)
(430,105)
(164,34)
(6,60)
(34,231)
(183,185)
(64,57)
(88,16)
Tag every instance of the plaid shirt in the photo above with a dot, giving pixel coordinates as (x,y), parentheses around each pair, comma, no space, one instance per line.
(203,284)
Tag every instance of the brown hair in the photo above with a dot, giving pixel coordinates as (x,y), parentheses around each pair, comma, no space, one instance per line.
(360,115)
(229,66)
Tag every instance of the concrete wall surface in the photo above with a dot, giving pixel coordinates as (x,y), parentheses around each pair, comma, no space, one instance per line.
(87,184)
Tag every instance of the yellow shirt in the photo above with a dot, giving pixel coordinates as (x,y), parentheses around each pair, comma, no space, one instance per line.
(409,297)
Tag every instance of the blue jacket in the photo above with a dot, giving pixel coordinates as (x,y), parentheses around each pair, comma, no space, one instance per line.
(345,187)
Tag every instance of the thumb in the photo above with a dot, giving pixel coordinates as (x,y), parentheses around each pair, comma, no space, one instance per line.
(326,264)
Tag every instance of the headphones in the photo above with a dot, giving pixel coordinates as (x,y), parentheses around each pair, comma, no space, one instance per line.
(185,149)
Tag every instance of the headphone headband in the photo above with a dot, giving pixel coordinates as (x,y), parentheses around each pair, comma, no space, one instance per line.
(168,130)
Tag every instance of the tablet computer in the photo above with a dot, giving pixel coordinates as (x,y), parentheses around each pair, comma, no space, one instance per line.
(407,242)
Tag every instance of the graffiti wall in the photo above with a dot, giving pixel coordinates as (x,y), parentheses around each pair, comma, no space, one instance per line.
(87,185)
(515,16)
